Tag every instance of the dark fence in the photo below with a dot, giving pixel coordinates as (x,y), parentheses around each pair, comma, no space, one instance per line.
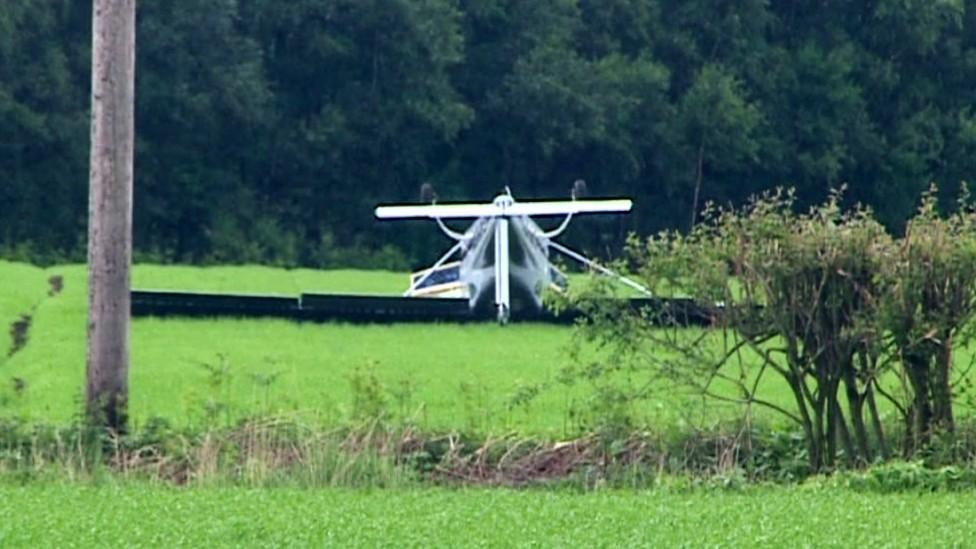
(380,309)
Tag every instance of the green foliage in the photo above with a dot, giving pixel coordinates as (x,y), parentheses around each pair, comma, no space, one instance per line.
(368,395)
(927,313)
(912,476)
(792,292)
(267,133)
(826,302)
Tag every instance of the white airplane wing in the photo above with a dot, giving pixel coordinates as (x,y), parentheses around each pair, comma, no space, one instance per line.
(434,211)
(565,207)
(562,207)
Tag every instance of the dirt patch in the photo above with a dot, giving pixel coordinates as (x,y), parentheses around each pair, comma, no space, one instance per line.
(55,285)
(19,334)
(506,463)
(20,328)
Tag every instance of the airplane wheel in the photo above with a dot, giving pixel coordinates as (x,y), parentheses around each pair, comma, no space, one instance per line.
(503,314)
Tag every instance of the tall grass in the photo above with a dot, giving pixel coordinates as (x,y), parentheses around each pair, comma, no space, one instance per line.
(296,450)
(260,452)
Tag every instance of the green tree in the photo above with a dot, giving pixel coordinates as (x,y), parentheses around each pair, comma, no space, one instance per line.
(363,108)
(718,128)
(930,302)
(269,129)
(202,103)
(43,128)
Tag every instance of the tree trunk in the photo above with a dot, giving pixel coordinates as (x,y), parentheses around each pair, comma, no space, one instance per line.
(850,453)
(855,403)
(814,449)
(942,387)
(876,422)
(699,175)
(110,211)
(837,426)
(826,458)
(917,367)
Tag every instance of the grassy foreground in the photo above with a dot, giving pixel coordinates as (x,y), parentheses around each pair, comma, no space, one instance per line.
(138,515)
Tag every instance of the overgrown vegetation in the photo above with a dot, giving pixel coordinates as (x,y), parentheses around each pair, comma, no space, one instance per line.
(300,450)
(828,303)
(926,314)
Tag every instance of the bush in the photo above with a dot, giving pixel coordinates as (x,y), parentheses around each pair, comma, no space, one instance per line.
(825,301)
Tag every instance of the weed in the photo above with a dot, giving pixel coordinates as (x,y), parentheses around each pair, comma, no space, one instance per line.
(368,393)
(473,401)
(264,382)
(403,396)
(218,381)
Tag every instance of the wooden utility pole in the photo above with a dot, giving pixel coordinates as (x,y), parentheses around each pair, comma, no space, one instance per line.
(110,210)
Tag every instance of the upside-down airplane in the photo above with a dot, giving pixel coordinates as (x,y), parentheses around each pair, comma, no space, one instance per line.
(504,253)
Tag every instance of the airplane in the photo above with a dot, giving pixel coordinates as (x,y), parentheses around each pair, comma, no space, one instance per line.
(504,255)
(501,268)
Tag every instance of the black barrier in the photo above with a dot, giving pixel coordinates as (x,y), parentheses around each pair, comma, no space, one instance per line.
(364,308)
(163,303)
(382,309)
(314,307)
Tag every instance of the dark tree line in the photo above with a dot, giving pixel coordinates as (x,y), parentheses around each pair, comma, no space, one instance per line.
(267,130)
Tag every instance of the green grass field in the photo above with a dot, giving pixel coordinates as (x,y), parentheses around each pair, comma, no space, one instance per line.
(444,374)
(144,516)
(441,376)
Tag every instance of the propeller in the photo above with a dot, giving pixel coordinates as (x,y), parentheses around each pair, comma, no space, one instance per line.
(579,189)
(427,194)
